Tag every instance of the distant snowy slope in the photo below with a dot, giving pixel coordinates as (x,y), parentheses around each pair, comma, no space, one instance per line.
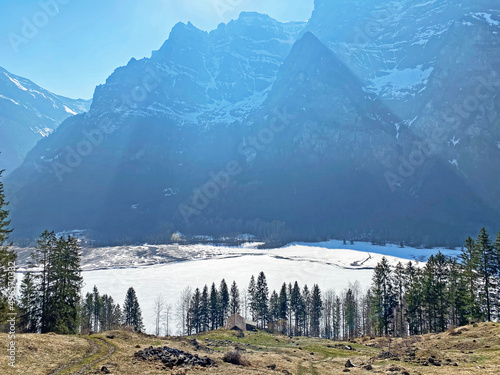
(29,113)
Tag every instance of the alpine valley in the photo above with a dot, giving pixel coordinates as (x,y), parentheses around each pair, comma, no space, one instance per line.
(374,120)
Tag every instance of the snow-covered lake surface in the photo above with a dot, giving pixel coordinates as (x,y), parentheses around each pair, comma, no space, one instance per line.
(168,269)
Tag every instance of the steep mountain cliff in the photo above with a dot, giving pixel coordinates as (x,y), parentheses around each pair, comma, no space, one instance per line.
(371,121)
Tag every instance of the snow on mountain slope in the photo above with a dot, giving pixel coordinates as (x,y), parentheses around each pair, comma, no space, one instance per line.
(29,113)
(206,78)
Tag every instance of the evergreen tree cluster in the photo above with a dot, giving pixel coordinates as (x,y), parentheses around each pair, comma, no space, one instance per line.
(99,313)
(208,309)
(7,257)
(50,291)
(402,300)
(447,292)
(50,299)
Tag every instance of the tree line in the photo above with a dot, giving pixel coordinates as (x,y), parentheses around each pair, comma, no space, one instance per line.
(446,292)
(7,258)
(294,310)
(402,300)
(99,313)
(50,294)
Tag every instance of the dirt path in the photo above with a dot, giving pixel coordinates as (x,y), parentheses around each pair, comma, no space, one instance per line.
(111,350)
(93,350)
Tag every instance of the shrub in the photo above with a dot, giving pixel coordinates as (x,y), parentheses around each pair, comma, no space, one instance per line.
(235,358)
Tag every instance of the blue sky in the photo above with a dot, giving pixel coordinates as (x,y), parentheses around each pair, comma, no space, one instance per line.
(76,46)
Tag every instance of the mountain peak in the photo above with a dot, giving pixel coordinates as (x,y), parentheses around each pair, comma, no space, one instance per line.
(253,16)
(182,36)
(308,48)
(181,29)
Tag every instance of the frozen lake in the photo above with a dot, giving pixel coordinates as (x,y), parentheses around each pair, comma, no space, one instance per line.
(331,264)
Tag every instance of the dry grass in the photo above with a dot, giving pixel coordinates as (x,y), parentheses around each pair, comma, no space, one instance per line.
(41,354)
(475,350)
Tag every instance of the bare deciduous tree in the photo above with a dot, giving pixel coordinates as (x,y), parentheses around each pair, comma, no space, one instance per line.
(158,309)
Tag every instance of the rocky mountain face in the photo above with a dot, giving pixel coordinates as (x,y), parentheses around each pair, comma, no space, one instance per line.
(29,113)
(370,121)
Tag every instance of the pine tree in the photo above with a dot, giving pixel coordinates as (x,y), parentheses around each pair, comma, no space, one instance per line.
(261,299)
(251,297)
(42,259)
(436,277)
(414,299)
(204,310)
(117,317)
(274,311)
(194,312)
(306,298)
(28,304)
(110,314)
(384,301)
(86,313)
(290,312)
(350,311)
(64,300)
(214,309)
(283,305)
(224,302)
(496,247)
(470,259)
(457,295)
(298,308)
(399,278)
(7,257)
(103,317)
(132,311)
(316,310)
(487,271)
(234,304)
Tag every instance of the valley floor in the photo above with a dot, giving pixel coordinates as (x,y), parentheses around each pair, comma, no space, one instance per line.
(473,349)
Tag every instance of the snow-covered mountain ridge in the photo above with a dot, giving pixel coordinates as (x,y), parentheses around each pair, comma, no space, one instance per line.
(29,113)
